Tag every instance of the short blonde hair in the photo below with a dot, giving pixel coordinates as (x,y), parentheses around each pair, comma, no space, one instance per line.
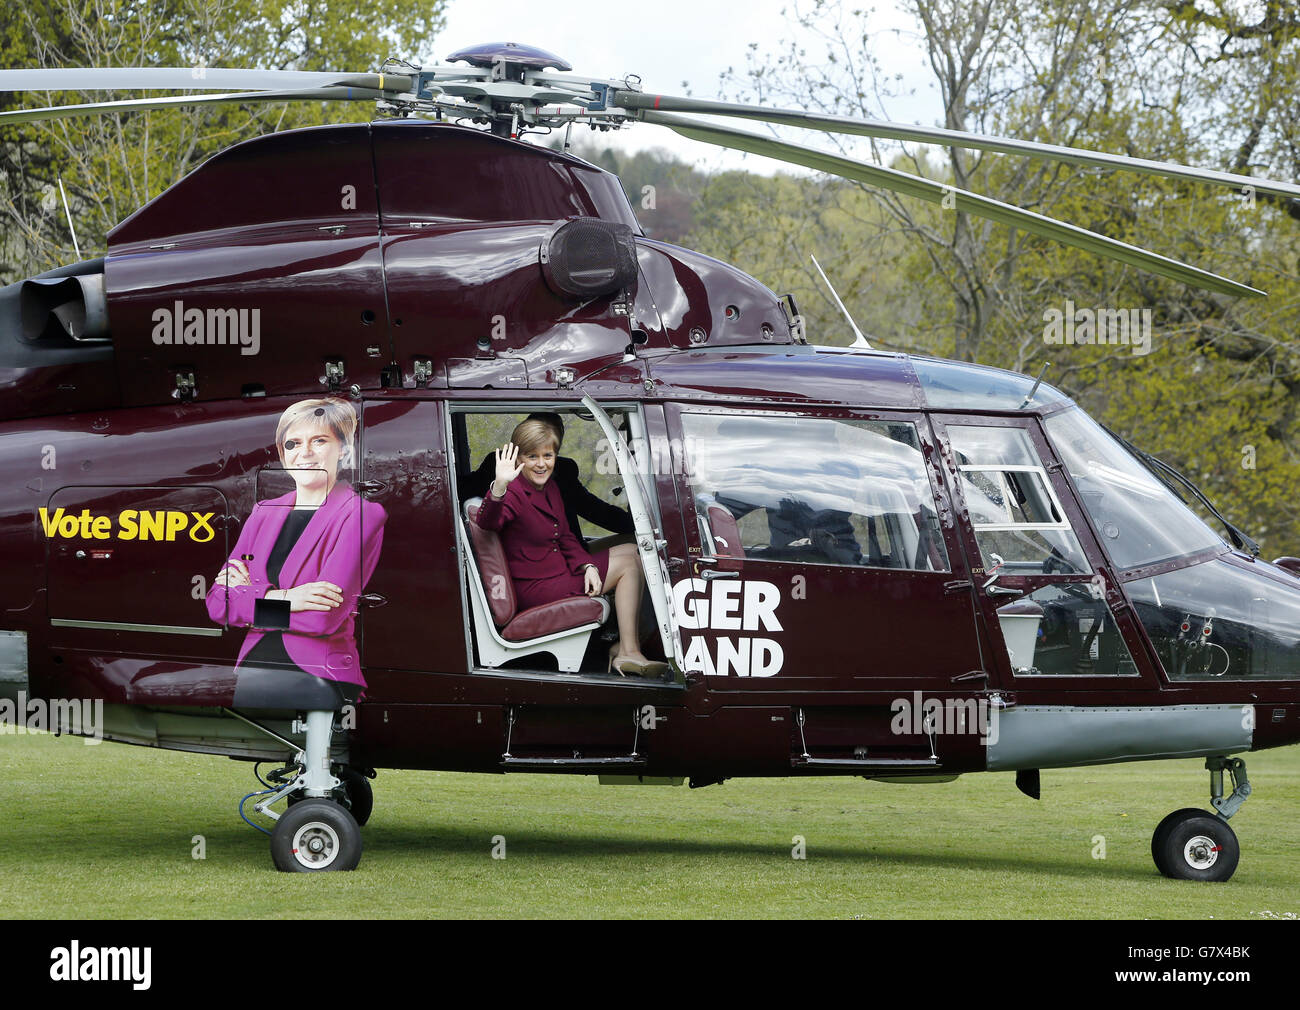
(531,435)
(340,415)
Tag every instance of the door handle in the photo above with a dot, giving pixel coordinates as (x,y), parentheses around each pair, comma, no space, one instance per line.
(370,488)
(1003,591)
(713,573)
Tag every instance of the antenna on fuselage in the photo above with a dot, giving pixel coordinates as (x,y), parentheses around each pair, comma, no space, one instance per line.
(75,246)
(858,339)
(1037,382)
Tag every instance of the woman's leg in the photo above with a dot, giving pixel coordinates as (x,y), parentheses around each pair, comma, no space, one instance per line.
(624,578)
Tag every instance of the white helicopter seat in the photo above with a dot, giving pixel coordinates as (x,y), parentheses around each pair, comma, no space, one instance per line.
(503,632)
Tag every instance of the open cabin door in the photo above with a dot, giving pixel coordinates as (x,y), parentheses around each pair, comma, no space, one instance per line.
(408,604)
(650,540)
(560,709)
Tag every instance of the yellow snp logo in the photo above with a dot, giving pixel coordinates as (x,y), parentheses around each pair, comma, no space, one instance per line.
(132,524)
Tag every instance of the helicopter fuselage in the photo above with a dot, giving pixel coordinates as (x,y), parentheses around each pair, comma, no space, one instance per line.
(875,564)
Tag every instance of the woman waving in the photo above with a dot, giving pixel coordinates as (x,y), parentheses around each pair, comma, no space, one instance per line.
(547,561)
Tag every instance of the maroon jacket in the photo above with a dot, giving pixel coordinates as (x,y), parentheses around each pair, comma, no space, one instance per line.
(534,532)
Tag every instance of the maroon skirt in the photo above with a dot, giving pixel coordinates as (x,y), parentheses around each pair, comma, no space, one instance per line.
(531,593)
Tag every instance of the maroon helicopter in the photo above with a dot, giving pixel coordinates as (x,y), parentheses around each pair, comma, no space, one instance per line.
(1025,589)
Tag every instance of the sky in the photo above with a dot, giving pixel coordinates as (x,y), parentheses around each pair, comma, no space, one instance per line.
(668,42)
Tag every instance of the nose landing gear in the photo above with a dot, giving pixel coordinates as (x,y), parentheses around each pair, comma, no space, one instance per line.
(1193,844)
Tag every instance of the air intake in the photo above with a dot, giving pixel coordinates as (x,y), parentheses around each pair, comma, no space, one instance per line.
(64,306)
(588,258)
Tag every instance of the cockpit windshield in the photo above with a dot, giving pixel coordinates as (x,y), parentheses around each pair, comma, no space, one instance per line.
(1139,520)
(1174,480)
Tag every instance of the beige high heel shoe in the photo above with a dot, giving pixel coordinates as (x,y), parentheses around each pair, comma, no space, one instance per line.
(654,670)
(628,667)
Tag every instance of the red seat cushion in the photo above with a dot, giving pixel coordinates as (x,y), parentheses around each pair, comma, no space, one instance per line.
(571,612)
(490,557)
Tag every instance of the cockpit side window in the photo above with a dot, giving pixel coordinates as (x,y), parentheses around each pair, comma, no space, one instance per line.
(1019,525)
(823,491)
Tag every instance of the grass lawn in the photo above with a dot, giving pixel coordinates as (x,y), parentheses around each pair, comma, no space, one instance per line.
(106,832)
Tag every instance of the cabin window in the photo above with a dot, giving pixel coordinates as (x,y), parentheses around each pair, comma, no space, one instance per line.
(1019,525)
(821,491)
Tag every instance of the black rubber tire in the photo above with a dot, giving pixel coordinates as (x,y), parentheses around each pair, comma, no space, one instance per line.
(1162,829)
(311,823)
(1188,860)
(361,798)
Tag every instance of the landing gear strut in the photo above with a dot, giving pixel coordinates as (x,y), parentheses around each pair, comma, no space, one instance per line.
(354,792)
(1192,844)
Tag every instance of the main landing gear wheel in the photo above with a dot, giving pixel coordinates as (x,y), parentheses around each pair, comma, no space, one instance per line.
(316,836)
(360,797)
(1196,845)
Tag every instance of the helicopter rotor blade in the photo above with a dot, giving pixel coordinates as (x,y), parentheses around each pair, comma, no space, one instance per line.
(172,101)
(949,138)
(937,192)
(193,79)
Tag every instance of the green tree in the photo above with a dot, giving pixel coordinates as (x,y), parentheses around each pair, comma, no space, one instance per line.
(113,163)
(1148,79)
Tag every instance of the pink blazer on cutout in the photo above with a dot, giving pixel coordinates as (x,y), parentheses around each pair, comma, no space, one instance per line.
(341,544)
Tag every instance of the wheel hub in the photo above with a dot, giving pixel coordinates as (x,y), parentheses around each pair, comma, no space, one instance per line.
(315,845)
(1201,852)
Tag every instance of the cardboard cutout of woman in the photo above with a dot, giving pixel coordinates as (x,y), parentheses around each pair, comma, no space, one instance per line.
(304,558)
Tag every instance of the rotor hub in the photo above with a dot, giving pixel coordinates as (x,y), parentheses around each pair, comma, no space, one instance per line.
(512,57)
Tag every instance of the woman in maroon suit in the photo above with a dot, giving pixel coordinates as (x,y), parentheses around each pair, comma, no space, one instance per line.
(547,561)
